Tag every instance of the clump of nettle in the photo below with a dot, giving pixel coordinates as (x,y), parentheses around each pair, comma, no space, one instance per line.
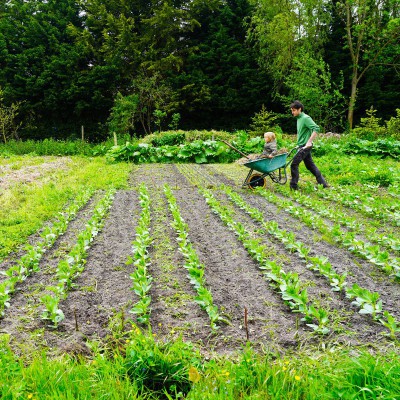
(141,279)
(72,266)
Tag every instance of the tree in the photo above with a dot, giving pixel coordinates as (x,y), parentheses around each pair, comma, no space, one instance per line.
(220,84)
(152,94)
(279,29)
(8,119)
(372,31)
(122,116)
(310,80)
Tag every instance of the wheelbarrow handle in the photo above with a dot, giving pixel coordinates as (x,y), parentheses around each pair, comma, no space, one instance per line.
(234,148)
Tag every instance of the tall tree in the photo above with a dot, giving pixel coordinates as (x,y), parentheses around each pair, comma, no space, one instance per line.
(40,64)
(220,84)
(372,30)
(282,28)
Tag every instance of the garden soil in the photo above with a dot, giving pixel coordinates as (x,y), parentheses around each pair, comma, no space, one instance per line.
(99,304)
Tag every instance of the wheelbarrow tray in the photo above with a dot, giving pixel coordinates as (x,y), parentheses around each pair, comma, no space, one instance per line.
(267,165)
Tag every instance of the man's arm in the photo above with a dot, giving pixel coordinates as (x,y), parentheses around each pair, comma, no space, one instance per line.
(310,140)
(314,128)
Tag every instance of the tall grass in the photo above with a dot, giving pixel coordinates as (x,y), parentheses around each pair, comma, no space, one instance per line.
(140,367)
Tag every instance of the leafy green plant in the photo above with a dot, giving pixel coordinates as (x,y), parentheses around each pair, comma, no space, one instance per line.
(73,264)
(52,312)
(168,139)
(122,116)
(262,121)
(390,322)
(193,265)
(140,276)
(368,301)
(393,126)
(370,127)
(158,118)
(161,368)
(174,121)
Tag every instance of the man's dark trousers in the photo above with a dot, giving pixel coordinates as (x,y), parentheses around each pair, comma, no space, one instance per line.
(304,155)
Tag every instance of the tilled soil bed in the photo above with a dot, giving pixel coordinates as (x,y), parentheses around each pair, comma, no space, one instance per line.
(101,298)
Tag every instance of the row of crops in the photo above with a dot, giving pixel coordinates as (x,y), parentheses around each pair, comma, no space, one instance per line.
(334,214)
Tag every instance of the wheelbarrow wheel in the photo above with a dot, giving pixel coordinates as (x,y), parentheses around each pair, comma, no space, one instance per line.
(257,180)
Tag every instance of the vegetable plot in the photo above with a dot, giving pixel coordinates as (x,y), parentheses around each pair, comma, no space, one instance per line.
(185,251)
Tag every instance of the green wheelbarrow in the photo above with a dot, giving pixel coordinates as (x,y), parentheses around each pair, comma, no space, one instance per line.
(262,167)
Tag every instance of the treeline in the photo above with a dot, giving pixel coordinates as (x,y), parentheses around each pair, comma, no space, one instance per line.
(139,66)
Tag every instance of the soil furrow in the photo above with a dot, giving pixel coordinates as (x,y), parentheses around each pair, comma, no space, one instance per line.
(359,271)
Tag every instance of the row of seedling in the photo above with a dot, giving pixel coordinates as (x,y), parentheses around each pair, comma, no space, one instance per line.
(29,262)
(287,284)
(192,264)
(368,302)
(373,253)
(73,264)
(141,279)
(377,210)
(372,196)
(388,240)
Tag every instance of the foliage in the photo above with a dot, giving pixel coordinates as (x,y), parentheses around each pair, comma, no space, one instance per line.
(188,136)
(262,122)
(370,127)
(160,368)
(310,81)
(174,121)
(381,147)
(372,33)
(154,96)
(169,138)
(8,119)
(280,29)
(198,152)
(140,276)
(393,126)
(121,119)
(158,118)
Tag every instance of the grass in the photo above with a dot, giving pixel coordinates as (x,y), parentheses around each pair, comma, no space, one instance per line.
(25,207)
(141,367)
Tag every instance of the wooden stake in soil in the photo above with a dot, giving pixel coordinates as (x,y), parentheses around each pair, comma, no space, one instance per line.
(115,139)
(76,321)
(83,133)
(245,323)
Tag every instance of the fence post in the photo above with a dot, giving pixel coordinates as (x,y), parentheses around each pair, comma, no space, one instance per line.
(83,133)
(115,139)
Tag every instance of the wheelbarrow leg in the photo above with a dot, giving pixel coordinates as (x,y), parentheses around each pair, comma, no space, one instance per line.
(245,184)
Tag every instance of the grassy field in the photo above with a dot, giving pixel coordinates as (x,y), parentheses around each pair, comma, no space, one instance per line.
(171,281)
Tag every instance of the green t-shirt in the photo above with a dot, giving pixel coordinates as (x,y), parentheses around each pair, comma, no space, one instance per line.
(305,127)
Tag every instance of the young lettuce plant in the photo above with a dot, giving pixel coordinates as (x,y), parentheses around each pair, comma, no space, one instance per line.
(73,264)
(193,265)
(29,262)
(287,283)
(140,276)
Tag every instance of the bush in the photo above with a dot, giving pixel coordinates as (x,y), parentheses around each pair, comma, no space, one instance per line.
(263,121)
(370,127)
(393,126)
(190,136)
(171,139)
(162,368)
(381,147)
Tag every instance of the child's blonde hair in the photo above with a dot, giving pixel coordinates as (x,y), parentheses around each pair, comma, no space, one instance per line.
(269,136)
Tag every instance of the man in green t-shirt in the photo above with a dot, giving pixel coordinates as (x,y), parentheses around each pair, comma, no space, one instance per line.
(307,131)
